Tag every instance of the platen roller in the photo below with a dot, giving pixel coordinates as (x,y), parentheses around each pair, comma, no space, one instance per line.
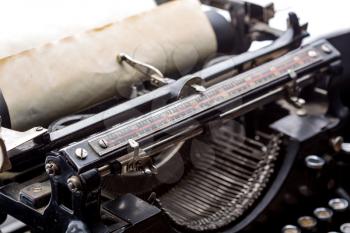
(45,83)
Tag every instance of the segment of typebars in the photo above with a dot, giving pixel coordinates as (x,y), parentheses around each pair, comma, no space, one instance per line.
(224,182)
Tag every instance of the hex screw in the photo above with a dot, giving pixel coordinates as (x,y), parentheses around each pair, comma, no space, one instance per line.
(81,153)
(51,168)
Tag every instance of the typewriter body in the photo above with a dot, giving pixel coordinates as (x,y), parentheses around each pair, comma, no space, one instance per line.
(249,142)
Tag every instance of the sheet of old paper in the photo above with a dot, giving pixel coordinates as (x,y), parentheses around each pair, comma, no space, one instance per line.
(50,81)
(26,24)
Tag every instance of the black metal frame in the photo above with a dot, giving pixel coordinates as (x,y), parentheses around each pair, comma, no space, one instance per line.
(80,200)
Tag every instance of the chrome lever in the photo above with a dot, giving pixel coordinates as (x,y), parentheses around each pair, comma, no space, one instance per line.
(155,76)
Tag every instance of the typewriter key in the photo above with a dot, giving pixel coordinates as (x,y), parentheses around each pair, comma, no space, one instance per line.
(345,228)
(323,214)
(307,222)
(338,204)
(290,229)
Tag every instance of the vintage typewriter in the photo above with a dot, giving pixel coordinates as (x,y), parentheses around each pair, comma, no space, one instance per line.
(243,141)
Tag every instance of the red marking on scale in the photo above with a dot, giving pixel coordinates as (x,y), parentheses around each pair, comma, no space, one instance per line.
(248,81)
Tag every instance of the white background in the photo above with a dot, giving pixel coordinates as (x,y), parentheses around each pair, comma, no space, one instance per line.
(30,23)
(323,16)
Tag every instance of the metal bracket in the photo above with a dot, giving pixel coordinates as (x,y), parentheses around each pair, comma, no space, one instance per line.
(139,160)
(14,138)
(155,76)
(136,147)
(294,91)
(198,88)
(5,163)
(191,86)
(10,139)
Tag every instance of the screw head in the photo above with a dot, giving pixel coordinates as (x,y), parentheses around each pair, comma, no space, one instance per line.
(39,128)
(81,153)
(103,143)
(325,48)
(73,184)
(312,53)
